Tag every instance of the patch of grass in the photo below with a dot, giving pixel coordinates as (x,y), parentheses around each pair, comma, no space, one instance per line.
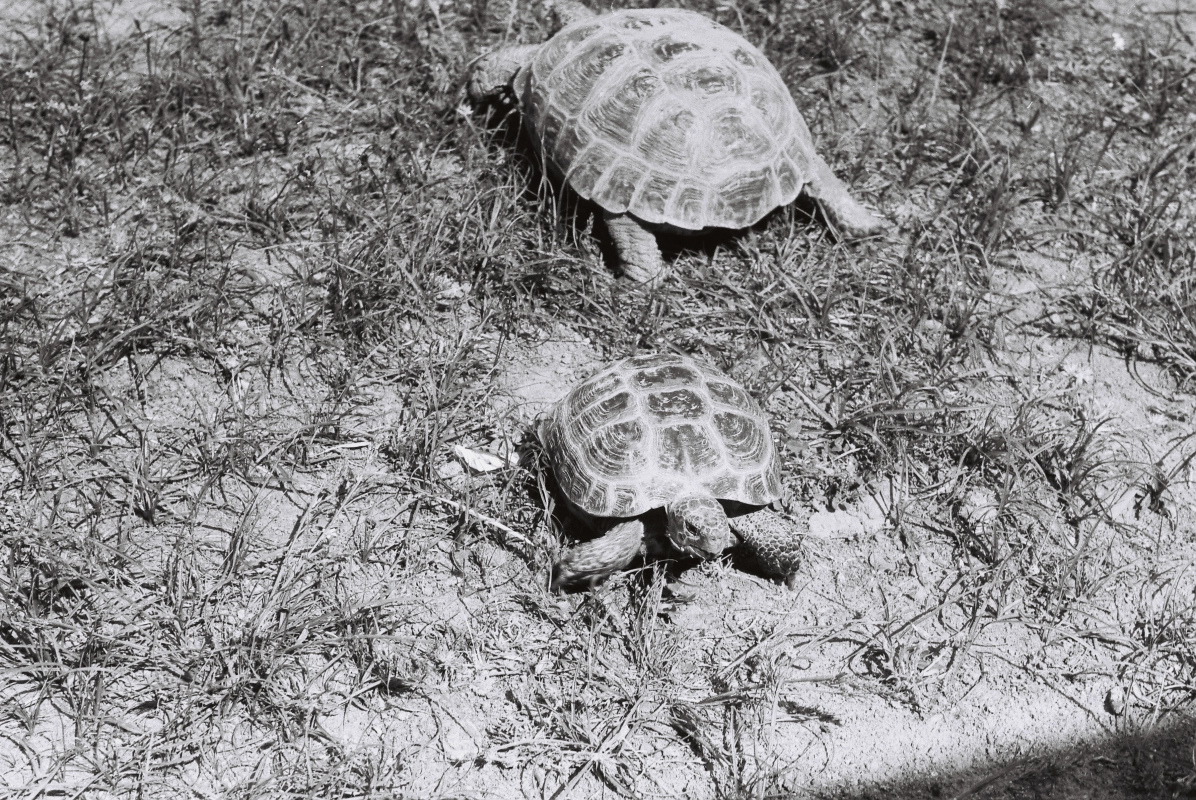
(264,270)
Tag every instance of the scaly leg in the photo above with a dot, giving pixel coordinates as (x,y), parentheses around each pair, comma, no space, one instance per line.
(595,559)
(846,215)
(639,255)
(773,541)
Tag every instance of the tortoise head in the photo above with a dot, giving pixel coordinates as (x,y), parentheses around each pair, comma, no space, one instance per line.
(697,526)
(495,74)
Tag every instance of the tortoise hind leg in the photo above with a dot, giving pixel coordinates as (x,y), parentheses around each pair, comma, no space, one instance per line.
(842,211)
(639,255)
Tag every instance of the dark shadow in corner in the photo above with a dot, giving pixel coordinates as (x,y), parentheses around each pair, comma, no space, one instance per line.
(1156,763)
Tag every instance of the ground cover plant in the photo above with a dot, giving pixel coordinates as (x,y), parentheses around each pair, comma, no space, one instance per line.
(279,308)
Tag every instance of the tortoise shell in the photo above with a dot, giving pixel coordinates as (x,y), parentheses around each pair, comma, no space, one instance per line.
(668,115)
(647,429)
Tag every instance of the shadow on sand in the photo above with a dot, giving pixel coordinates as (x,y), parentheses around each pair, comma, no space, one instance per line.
(1159,762)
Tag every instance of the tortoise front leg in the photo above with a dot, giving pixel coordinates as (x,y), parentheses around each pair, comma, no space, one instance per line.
(773,541)
(609,553)
(639,255)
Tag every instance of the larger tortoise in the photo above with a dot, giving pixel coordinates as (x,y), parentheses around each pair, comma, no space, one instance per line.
(668,120)
(666,431)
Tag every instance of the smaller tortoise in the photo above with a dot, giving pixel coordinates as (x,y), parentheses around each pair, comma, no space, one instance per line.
(666,120)
(666,431)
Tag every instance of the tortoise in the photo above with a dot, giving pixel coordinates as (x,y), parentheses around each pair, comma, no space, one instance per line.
(666,431)
(666,120)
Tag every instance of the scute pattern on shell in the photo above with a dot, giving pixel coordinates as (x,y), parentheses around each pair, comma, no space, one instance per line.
(668,115)
(647,429)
